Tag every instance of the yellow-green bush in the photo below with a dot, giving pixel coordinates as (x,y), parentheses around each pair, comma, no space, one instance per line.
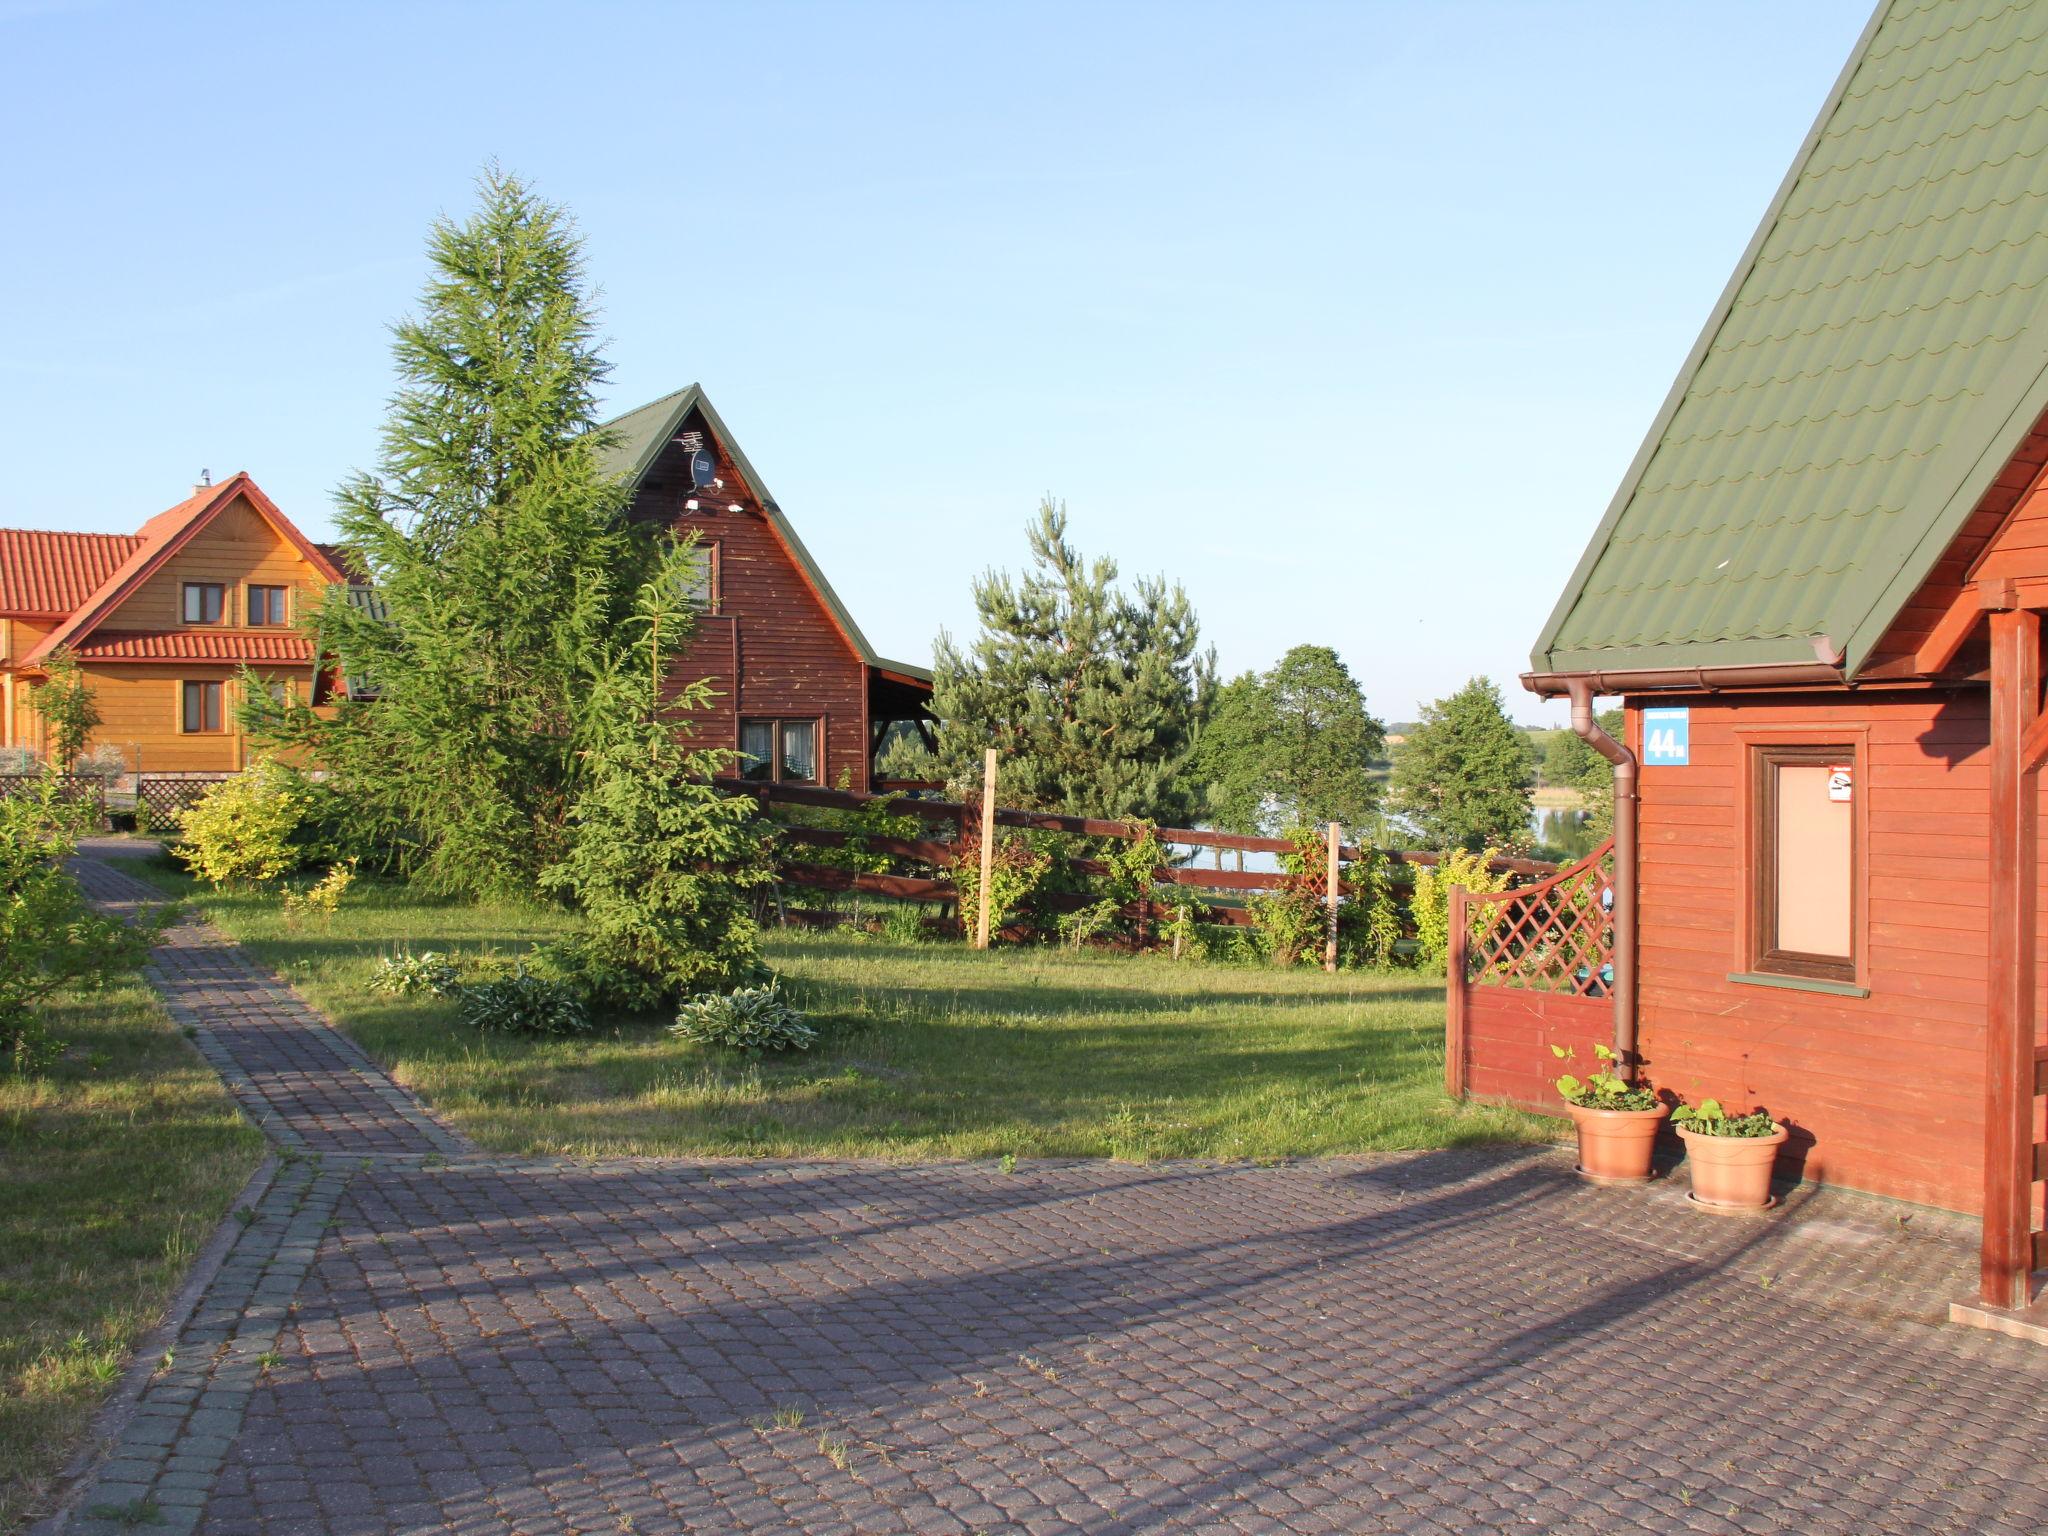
(241,831)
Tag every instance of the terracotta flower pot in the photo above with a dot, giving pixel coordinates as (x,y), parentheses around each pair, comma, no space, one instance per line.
(1732,1173)
(1615,1144)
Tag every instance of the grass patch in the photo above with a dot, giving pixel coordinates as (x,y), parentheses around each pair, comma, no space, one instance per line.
(114,1168)
(932,1051)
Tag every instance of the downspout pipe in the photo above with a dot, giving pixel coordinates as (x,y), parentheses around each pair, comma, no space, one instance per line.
(1625,805)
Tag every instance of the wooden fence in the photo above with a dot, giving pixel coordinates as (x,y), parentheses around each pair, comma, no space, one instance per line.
(166,798)
(75,788)
(957,818)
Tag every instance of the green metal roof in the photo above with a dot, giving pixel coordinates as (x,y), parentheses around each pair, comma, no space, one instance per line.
(1878,355)
(635,442)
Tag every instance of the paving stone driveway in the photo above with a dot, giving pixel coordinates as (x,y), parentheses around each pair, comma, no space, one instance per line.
(1439,1343)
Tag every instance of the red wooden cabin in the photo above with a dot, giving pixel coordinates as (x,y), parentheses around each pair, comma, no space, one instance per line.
(803,697)
(1818,594)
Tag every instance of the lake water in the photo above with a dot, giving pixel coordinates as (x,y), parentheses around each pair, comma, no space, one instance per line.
(1562,834)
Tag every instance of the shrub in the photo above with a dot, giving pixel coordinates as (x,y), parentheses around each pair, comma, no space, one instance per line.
(51,938)
(408,975)
(18,760)
(323,897)
(243,830)
(1292,922)
(522,1004)
(1129,867)
(878,818)
(1015,870)
(586,966)
(105,761)
(751,1019)
(1431,901)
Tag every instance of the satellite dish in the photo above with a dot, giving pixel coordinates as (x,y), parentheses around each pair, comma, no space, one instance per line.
(703,468)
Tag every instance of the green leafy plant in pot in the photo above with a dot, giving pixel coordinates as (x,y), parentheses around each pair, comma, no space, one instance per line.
(1616,1120)
(1731,1157)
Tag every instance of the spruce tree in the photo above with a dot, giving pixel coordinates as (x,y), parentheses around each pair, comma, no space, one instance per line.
(501,558)
(1463,778)
(1093,695)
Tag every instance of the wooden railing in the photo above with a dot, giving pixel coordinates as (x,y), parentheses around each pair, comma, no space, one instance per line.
(957,816)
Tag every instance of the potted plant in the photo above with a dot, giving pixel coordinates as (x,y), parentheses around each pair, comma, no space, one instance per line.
(1730,1156)
(1617,1121)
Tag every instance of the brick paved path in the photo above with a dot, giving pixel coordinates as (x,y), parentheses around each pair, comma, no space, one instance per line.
(1443,1343)
(306,1084)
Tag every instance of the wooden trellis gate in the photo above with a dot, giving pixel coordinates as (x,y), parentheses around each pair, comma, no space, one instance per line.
(1530,968)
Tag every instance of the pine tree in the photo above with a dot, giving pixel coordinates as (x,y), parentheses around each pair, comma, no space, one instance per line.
(1293,746)
(502,557)
(1464,776)
(1094,696)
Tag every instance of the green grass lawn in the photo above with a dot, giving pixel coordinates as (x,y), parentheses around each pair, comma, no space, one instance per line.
(114,1168)
(933,1051)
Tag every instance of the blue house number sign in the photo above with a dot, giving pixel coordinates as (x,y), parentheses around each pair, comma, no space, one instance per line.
(1667,737)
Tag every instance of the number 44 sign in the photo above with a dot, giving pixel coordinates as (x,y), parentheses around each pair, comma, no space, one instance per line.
(1667,737)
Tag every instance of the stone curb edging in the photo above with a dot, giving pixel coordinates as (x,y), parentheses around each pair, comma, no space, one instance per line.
(175,1434)
(114,1414)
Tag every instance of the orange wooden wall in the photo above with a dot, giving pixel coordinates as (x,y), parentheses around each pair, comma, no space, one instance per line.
(1885,1090)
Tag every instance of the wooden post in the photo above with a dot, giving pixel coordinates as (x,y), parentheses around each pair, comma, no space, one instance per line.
(1454,995)
(1331,895)
(988,846)
(2006,1257)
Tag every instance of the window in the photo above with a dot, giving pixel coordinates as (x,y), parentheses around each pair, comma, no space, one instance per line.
(204,602)
(266,605)
(783,751)
(1803,862)
(200,709)
(757,749)
(700,589)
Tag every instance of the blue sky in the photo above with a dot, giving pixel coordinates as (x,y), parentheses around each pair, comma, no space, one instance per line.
(1349,317)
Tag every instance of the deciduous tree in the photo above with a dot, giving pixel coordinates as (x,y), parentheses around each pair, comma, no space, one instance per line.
(1464,776)
(1292,746)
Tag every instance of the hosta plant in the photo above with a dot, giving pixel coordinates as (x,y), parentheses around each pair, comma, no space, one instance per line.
(1708,1118)
(1602,1088)
(522,1004)
(406,974)
(751,1019)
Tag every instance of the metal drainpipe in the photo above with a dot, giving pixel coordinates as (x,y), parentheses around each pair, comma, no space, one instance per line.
(1625,802)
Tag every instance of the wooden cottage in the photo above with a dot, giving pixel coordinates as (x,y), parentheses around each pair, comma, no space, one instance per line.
(803,697)
(1818,595)
(162,621)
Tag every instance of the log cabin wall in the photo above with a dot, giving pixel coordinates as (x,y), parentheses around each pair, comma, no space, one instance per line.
(771,648)
(1886,1090)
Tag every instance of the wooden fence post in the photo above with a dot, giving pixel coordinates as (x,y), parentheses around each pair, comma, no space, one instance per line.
(1460,939)
(1331,894)
(988,846)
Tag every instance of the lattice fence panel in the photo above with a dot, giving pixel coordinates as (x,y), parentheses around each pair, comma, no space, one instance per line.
(1555,936)
(76,788)
(167,800)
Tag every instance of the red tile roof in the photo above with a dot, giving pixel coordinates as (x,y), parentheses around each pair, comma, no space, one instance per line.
(160,537)
(48,575)
(219,645)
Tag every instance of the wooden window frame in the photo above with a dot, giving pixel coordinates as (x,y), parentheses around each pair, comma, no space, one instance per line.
(714,584)
(185,591)
(185,685)
(775,723)
(284,605)
(1763,752)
